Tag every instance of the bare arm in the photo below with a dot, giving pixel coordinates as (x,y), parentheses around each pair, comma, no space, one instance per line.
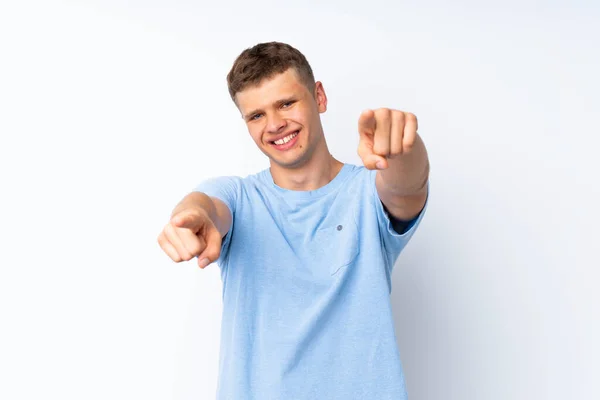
(389,143)
(402,187)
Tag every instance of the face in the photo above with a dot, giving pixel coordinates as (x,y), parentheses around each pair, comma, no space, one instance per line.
(283,119)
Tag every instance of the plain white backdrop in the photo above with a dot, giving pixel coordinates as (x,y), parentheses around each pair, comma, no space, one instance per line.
(111,111)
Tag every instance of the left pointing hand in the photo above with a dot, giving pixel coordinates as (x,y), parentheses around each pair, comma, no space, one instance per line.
(384,134)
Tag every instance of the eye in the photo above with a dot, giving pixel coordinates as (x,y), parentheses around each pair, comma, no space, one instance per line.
(254,117)
(287,104)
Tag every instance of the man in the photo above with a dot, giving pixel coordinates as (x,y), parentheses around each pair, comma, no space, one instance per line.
(306,247)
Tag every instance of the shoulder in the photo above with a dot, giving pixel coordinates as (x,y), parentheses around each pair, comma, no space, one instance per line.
(231,181)
(360,172)
(360,180)
(361,183)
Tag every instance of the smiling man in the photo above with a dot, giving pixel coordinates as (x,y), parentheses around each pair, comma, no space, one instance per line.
(306,247)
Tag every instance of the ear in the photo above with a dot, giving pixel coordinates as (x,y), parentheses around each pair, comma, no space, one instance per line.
(320,97)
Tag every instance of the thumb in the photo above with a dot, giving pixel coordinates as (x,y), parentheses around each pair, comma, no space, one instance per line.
(212,251)
(375,162)
(368,157)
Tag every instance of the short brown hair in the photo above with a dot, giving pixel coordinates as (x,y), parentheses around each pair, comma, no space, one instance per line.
(265,60)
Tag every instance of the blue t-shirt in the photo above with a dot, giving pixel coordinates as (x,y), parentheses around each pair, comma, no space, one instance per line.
(306,290)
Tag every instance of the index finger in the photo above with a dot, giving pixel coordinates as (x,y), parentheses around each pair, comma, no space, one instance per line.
(366,123)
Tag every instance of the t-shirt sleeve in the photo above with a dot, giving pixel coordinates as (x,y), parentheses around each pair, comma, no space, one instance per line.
(227,189)
(393,240)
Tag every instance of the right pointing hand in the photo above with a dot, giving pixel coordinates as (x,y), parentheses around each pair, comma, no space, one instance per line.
(191,233)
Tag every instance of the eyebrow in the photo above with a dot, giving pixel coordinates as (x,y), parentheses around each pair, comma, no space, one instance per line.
(276,103)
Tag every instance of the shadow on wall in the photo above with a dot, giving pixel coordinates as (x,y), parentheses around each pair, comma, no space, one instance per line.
(471,302)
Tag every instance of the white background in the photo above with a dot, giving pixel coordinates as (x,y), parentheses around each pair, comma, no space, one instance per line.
(111,111)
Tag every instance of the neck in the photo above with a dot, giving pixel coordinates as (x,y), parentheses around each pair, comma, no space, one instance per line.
(314,174)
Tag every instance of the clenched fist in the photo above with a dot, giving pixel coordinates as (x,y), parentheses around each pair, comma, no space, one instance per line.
(384,134)
(191,233)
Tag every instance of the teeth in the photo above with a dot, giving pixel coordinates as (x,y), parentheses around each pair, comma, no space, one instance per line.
(286,139)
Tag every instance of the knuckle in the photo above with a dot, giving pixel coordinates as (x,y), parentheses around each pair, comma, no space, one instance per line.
(169,230)
(396,150)
(399,118)
(185,252)
(381,148)
(383,113)
(195,247)
(214,254)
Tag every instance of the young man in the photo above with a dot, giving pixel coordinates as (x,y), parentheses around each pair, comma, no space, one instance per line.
(306,247)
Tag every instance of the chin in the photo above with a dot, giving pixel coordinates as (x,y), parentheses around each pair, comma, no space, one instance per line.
(290,163)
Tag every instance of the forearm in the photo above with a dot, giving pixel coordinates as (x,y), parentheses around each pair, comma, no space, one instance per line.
(407,173)
(201,202)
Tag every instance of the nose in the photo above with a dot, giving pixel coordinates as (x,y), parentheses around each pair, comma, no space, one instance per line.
(275,123)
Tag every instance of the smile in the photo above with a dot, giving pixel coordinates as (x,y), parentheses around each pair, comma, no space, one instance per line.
(285,139)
